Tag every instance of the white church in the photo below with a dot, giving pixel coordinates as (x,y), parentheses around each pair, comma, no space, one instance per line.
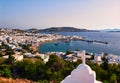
(82,74)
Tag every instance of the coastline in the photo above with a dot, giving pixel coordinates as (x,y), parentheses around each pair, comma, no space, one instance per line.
(41,43)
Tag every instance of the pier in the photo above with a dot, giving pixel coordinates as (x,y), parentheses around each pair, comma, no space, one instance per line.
(77,38)
(101,42)
(92,41)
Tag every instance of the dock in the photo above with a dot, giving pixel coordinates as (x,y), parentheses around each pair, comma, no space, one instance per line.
(92,41)
(101,42)
(77,38)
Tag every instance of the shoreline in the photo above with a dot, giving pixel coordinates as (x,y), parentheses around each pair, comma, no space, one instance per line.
(46,42)
(41,43)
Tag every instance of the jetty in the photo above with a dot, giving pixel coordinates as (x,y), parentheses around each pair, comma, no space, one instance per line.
(78,38)
(92,41)
(101,42)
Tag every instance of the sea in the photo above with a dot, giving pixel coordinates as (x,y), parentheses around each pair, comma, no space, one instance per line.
(113,46)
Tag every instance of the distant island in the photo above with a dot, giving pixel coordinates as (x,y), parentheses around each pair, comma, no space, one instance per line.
(111,30)
(61,29)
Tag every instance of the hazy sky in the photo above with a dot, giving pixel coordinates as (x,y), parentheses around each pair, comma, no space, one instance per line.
(89,14)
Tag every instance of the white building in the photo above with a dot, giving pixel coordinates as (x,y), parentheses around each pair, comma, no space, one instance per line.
(69,55)
(113,59)
(18,57)
(44,57)
(117,59)
(82,74)
(97,58)
(29,55)
(78,53)
(6,56)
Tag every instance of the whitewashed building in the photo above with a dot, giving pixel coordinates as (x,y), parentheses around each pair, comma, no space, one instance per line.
(117,59)
(82,74)
(97,58)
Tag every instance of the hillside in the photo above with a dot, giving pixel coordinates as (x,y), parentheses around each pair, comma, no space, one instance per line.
(10,80)
(33,30)
(63,29)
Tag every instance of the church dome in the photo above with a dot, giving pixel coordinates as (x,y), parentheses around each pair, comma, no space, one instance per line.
(82,74)
(84,67)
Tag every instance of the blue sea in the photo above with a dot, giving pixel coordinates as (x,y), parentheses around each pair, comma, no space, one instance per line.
(113,46)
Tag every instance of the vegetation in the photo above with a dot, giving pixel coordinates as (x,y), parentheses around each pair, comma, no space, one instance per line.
(5,50)
(25,46)
(69,52)
(55,70)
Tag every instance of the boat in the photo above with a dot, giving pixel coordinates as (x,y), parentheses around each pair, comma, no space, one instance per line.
(56,43)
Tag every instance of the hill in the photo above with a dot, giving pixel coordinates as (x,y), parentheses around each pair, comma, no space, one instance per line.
(63,29)
(33,30)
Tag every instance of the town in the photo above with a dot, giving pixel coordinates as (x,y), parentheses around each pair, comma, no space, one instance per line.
(21,44)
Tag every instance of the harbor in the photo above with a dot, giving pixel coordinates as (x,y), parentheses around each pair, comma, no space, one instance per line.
(67,39)
(99,42)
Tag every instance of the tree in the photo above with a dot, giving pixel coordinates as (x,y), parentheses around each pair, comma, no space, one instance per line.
(55,63)
(55,67)
(113,78)
(105,81)
(33,70)
(1,60)
(5,71)
(11,59)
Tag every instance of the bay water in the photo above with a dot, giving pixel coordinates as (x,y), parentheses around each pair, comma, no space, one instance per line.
(113,46)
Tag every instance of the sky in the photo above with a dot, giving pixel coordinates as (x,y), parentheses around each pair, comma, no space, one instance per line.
(87,14)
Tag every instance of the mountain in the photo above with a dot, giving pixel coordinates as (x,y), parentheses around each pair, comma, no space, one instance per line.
(63,29)
(52,29)
(33,30)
